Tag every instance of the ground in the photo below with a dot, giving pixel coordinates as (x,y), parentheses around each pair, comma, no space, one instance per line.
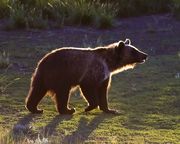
(148,97)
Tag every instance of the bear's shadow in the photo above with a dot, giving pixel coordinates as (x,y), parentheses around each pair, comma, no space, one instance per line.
(50,128)
(84,129)
(23,129)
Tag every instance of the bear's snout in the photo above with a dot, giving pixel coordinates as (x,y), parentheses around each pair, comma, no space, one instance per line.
(143,57)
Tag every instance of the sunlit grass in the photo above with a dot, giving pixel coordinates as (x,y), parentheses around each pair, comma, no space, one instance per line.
(147,98)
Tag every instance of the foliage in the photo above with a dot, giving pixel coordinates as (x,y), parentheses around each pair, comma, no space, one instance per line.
(176,9)
(36,13)
(98,13)
(23,16)
(3,8)
(140,7)
(4,60)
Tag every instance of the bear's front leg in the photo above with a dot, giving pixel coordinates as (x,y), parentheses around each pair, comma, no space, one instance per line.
(62,99)
(90,93)
(102,94)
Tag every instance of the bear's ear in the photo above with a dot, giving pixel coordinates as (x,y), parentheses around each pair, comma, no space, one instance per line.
(120,47)
(121,44)
(128,41)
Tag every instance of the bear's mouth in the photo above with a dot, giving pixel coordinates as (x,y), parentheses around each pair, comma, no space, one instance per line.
(143,58)
(141,61)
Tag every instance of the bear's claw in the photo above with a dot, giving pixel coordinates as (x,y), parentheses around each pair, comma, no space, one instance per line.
(67,111)
(111,111)
(38,111)
(89,108)
(34,110)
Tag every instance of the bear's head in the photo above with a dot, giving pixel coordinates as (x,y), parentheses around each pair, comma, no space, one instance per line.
(130,55)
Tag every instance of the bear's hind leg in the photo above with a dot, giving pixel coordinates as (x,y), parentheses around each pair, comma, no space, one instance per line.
(62,99)
(90,93)
(36,93)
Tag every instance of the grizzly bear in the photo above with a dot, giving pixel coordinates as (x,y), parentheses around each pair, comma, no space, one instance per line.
(89,68)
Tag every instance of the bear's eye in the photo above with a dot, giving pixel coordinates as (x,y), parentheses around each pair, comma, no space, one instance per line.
(134,52)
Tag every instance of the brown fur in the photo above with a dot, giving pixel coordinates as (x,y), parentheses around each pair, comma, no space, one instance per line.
(90,69)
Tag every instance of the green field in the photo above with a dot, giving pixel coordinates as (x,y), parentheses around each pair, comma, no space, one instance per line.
(147,97)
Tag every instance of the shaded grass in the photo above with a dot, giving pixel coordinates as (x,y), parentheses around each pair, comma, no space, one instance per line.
(176,9)
(147,97)
(128,8)
(4,59)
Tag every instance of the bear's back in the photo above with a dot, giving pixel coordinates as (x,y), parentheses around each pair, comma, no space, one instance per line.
(71,65)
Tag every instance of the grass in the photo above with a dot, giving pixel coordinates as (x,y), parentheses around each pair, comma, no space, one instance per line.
(147,97)
(128,8)
(41,14)
(55,13)
(176,9)
(4,59)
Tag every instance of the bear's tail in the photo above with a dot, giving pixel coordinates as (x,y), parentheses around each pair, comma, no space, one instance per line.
(36,93)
